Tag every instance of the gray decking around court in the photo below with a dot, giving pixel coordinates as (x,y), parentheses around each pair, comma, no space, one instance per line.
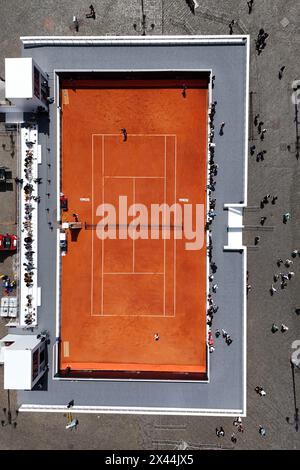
(225,392)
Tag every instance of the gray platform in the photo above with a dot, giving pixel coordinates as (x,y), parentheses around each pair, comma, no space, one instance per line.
(225,392)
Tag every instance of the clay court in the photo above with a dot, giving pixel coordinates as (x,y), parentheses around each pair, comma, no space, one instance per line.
(116,295)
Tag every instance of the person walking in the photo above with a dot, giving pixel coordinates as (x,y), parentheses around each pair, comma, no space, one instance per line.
(72,424)
(240,428)
(261,155)
(262,220)
(260,391)
(213,267)
(237,421)
(92,12)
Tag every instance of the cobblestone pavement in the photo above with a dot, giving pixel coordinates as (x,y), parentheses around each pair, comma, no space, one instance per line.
(278,174)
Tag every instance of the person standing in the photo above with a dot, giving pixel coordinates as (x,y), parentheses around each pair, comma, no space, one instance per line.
(286,217)
(273,289)
(231,26)
(256,119)
(262,220)
(76,23)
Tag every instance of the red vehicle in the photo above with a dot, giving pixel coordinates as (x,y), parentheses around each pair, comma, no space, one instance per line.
(8,242)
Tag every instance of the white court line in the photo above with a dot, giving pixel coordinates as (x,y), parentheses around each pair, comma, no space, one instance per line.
(138,135)
(175,195)
(133,190)
(136,177)
(150,315)
(164,223)
(102,241)
(174,238)
(160,274)
(92,262)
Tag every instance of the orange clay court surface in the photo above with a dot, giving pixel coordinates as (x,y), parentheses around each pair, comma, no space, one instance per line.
(117,294)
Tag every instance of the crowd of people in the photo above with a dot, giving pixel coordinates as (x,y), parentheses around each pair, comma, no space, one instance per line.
(28,186)
(211,186)
(260,42)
